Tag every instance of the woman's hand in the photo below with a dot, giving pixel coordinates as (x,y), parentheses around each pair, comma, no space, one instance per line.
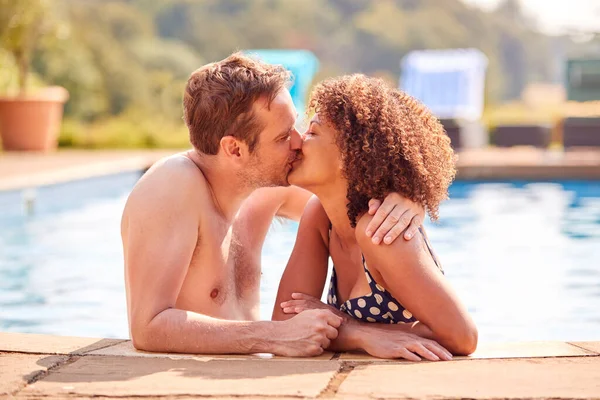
(395,215)
(302,302)
(390,343)
(378,340)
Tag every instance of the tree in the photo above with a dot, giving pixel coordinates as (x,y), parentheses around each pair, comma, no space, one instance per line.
(22,24)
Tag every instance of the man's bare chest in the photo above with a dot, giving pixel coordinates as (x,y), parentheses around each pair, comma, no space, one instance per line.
(230,259)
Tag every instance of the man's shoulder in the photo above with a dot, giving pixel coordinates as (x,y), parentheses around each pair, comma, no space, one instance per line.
(176,165)
(173,180)
(176,171)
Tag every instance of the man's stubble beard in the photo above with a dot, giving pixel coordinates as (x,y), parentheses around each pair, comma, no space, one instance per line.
(260,175)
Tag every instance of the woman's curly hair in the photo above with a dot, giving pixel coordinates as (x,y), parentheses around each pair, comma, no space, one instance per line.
(389,142)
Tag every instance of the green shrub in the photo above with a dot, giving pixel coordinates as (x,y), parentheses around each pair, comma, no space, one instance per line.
(123,132)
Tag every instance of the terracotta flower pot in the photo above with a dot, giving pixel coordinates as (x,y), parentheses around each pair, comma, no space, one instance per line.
(32,122)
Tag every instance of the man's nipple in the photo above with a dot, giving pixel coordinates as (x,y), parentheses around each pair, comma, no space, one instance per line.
(214,293)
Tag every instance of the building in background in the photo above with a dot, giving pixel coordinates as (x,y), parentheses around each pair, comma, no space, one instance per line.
(583,79)
(451,83)
(581,124)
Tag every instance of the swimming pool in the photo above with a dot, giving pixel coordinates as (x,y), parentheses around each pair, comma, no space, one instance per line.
(523,256)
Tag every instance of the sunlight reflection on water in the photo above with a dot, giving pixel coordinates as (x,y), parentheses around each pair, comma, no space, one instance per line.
(524,257)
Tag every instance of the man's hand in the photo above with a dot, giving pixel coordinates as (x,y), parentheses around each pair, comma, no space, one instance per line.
(396,214)
(302,302)
(390,343)
(307,334)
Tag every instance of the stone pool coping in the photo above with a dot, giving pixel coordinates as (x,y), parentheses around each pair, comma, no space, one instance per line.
(20,170)
(43,366)
(23,170)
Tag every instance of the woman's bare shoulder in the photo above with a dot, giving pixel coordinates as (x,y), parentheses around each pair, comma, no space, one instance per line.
(315,218)
(398,248)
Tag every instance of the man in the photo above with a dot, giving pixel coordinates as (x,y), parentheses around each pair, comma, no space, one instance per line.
(194,225)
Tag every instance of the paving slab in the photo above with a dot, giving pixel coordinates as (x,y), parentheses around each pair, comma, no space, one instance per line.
(590,346)
(528,350)
(25,396)
(503,350)
(126,349)
(555,378)
(16,370)
(49,344)
(137,376)
(22,396)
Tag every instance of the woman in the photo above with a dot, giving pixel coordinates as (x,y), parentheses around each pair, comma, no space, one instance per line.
(367,140)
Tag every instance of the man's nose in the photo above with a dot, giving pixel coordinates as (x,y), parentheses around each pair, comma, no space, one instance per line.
(296,140)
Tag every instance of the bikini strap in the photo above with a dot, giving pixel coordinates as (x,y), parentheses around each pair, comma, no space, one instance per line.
(366,268)
(435,260)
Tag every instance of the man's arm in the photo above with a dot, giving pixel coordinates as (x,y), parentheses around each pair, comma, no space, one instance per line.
(294,200)
(160,230)
(396,214)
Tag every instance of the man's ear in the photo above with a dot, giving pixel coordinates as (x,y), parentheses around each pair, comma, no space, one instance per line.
(230,146)
(233,148)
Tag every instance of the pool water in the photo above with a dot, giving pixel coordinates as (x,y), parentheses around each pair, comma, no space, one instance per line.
(523,256)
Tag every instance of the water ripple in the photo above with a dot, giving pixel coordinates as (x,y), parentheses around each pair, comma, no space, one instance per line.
(524,258)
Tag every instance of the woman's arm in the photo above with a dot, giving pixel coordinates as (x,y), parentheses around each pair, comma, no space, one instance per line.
(306,272)
(307,268)
(419,286)
(407,341)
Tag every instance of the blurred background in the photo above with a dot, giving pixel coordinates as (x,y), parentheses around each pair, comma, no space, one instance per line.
(124,63)
(515,82)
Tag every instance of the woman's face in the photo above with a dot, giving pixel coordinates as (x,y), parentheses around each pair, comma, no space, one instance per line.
(320,162)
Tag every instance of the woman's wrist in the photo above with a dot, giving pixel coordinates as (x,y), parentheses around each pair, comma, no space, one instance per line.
(353,335)
(422,330)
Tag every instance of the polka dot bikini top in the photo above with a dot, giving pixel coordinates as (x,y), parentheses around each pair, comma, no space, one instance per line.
(377,306)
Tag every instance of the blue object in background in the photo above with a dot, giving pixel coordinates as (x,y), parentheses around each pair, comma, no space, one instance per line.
(303,65)
(450,82)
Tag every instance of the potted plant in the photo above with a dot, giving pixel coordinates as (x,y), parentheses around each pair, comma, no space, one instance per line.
(29,121)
